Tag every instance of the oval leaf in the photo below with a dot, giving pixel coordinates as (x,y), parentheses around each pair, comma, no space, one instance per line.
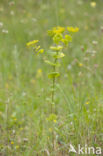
(59,55)
(52,64)
(53,74)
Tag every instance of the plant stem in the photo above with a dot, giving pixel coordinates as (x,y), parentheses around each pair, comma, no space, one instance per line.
(53,85)
(6,123)
(53,101)
(53,92)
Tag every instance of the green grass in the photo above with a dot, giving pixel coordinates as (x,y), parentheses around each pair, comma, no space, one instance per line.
(24,105)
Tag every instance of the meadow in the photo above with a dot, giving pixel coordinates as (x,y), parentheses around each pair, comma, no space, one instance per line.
(26,127)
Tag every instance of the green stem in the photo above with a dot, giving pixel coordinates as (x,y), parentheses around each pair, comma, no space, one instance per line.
(53,90)
(53,85)
(52,102)
(53,94)
(7,137)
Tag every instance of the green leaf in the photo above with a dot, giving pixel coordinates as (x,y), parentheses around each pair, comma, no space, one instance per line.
(52,117)
(53,74)
(56,55)
(51,53)
(51,63)
(68,38)
(57,38)
(59,55)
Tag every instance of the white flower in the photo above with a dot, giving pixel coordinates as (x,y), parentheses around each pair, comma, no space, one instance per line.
(5,31)
(1,24)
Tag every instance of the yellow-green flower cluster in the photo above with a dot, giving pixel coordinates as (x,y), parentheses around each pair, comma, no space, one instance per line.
(62,35)
(35,46)
(52,117)
(67,39)
(71,29)
(56,30)
(32,43)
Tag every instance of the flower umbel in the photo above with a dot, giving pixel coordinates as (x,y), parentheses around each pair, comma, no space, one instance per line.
(56,30)
(32,43)
(62,35)
(35,46)
(71,29)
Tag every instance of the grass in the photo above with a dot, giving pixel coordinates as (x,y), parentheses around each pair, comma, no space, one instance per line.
(24,90)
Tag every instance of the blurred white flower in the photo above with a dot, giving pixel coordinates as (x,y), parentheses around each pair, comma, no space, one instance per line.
(5,31)
(23,93)
(34,19)
(1,24)
(69,67)
(95,42)
(101,28)
(79,2)
(71,123)
(11,12)
(94,52)
(80,74)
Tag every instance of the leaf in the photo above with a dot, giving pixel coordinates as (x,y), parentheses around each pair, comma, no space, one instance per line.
(57,38)
(51,53)
(68,37)
(56,55)
(53,74)
(51,63)
(52,117)
(59,55)
(56,48)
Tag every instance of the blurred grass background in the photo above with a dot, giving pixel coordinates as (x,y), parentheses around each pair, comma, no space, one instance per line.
(24,86)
